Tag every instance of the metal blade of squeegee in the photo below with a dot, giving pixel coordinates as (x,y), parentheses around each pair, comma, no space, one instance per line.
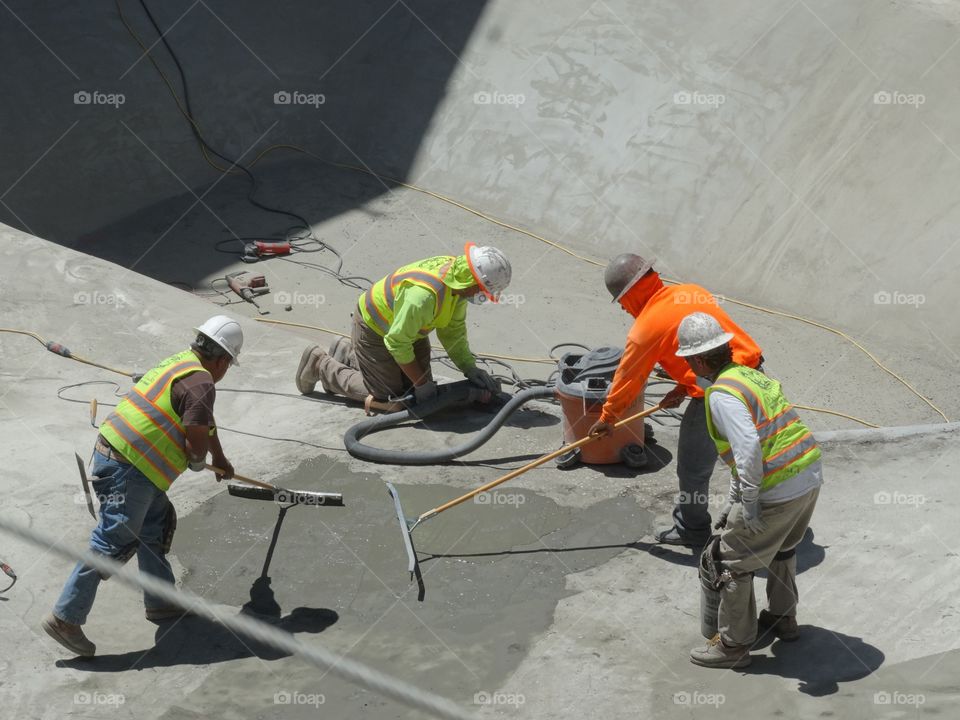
(404,528)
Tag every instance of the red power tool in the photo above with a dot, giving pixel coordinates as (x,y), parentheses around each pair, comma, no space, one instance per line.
(263,249)
(248,285)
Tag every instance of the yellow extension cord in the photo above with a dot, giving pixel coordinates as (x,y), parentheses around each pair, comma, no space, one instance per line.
(508,226)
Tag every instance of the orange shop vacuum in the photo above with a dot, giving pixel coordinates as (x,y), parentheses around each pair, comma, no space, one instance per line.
(582,386)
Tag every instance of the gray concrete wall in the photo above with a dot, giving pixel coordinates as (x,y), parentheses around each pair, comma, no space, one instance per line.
(740,142)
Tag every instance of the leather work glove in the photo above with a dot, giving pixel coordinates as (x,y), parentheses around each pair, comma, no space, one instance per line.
(600,428)
(751,518)
(674,398)
(426,392)
(482,379)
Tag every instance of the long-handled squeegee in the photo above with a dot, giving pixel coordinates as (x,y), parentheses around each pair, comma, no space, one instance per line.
(408,525)
(257,490)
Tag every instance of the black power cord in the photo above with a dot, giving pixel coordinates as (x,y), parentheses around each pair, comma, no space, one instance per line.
(302,241)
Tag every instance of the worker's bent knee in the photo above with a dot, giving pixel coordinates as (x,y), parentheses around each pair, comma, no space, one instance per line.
(785,554)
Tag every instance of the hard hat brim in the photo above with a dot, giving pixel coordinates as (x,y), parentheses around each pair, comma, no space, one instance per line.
(644,269)
(705,346)
(468,251)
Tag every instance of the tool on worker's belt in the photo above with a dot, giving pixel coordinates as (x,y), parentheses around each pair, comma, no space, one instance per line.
(256,490)
(86,484)
(408,525)
(248,285)
(8,571)
(264,249)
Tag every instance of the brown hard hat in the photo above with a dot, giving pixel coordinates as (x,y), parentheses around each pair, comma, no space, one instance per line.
(623,272)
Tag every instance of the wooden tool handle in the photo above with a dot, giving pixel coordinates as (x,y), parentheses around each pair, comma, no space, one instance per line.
(529,466)
(241,478)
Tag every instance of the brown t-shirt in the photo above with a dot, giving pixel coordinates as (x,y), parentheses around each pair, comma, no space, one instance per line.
(193,397)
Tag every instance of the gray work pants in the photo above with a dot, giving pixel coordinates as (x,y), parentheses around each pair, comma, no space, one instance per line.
(696,457)
(366,367)
(744,553)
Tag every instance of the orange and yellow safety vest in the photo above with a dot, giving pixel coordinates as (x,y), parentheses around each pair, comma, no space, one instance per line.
(145,428)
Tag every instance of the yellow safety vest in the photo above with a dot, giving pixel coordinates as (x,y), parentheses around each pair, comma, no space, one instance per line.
(145,428)
(376,304)
(787,444)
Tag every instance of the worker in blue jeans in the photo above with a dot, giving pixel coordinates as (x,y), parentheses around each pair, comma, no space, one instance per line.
(163,426)
(133,519)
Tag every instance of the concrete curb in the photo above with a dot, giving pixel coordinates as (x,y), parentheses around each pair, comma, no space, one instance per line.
(887,434)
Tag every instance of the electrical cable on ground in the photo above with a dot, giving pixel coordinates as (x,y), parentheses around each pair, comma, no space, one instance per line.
(58,349)
(313,653)
(299,243)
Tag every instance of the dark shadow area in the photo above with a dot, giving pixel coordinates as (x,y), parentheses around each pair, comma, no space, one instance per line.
(356,83)
(820,660)
(658,457)
(809,554)
(198,641)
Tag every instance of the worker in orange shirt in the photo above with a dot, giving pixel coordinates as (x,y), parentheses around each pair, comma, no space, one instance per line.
(659,310)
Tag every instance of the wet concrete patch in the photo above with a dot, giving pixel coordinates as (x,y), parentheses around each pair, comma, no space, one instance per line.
(494,571)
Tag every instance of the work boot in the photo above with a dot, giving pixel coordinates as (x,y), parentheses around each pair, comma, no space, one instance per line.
(168,612)
(717,654)
(308,374)
(672,536)
(68,635)
(783,626)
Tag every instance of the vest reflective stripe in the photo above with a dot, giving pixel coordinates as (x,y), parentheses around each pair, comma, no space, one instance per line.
(146,449)
(159,418)
(374,312)
(789,454)
(385,290)
(145,428)
(159,386)
(787,445)
(753,402)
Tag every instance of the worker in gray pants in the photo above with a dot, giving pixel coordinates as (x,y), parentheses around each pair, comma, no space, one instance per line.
(775,482)
(657,311)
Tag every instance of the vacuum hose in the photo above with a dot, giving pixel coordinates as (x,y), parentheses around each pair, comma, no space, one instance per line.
(449,395)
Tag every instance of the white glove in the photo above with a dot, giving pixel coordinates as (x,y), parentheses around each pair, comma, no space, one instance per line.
(482,379)
(751,518)
(426,392)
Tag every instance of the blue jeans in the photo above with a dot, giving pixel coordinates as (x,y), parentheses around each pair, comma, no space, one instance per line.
(132,515)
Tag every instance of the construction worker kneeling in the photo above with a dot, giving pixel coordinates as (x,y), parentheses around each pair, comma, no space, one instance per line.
(388,353)
(775,482)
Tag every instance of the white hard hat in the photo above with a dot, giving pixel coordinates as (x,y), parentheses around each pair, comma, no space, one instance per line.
(700,333)
(225,332)
(490,269)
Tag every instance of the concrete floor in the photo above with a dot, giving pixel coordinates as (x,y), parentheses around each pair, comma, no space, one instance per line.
(552,602)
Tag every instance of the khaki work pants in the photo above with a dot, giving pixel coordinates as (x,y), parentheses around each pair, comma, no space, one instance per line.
(363,366)
(743,554)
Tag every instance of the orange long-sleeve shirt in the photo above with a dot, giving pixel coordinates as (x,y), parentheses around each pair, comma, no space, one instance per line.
(653,339)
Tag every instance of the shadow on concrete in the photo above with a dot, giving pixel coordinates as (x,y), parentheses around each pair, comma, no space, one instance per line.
(198,641)
(809,554)
(117,175)
(820,660)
